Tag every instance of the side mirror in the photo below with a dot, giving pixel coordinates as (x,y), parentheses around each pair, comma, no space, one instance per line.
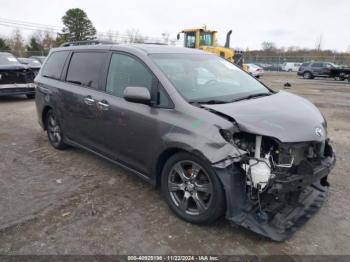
(178,36)
(137,94)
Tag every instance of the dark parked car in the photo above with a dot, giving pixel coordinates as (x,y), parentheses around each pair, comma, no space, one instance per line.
(39,58)
(15,78)
(311,70)
(211,136)
(33,64)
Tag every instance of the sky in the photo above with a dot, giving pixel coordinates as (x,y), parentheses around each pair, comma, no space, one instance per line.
(285,22)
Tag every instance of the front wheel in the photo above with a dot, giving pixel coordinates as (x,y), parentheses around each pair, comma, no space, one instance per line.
(339,78)
(192,189)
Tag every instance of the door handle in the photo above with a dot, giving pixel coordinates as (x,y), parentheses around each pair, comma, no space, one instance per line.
(103,105)
(43,89)
(89,100)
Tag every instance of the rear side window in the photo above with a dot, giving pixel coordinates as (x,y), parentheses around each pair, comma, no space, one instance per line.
(85,68)
(317,65)
(127,71)
(54,65)
(305,64)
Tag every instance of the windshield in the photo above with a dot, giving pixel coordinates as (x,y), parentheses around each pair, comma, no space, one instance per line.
(8,59)
(200,78)
(205,39)
(334,65)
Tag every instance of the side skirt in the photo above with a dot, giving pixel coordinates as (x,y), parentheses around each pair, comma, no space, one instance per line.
(124,166)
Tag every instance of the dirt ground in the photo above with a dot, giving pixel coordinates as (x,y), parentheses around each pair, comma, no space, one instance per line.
(72,202)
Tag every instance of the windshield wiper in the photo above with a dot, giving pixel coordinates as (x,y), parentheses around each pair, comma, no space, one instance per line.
(209,102)
(251,96)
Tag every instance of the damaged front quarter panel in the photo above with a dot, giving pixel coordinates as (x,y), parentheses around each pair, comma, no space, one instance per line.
(206,140)
(271,187)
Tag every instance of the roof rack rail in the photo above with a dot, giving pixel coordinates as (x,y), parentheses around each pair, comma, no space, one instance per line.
(87,42)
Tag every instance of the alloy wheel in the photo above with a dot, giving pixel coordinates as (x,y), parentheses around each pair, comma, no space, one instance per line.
(190,187)
(54,129)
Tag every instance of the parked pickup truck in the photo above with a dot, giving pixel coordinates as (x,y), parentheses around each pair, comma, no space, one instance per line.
(340,73)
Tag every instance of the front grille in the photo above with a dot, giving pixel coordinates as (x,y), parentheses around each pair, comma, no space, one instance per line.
(16,77)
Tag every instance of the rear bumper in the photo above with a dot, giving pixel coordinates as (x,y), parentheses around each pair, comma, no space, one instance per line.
(17,89)
(284,207)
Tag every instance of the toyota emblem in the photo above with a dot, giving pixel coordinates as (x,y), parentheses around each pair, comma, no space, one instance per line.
(318,132)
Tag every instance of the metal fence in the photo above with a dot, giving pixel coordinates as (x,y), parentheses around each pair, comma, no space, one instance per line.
(274,63)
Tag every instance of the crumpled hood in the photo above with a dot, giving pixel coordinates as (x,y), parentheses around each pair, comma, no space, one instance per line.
(283,115)
(13,67)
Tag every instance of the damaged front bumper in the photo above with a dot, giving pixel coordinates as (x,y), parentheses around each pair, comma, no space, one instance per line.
(17,89)
(287,203)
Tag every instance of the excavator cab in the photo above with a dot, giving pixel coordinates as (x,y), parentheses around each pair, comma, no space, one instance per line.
(198,37)
(204,39)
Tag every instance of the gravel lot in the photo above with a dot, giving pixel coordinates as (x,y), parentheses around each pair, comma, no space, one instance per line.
(72,202)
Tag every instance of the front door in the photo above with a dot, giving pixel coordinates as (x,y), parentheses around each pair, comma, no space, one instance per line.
(129,131)
(317,68)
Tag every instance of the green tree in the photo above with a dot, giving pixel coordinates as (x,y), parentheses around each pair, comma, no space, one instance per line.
(77,26)
(3,44)
(34,45)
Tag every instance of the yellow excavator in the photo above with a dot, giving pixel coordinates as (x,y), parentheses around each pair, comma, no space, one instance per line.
(204,39)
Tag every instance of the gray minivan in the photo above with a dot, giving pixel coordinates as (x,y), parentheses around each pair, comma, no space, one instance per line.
(216,140)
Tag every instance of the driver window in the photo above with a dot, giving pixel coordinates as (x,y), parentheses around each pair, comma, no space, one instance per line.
(125,71)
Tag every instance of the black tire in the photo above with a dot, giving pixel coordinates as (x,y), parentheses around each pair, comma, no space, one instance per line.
(339,78)
(212,199)
(30,96)
(308,75)
(290,70)
(54,130)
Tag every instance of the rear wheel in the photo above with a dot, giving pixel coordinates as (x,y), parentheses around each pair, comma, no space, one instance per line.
(308,75)
(54,131)
(192,189)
